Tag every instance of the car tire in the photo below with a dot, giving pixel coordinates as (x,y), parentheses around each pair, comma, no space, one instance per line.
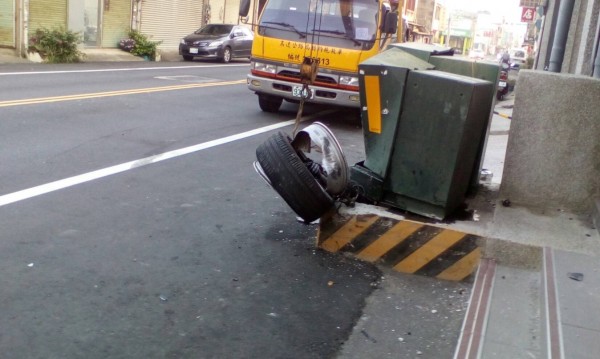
(291,179)
(226,55)
(269,103)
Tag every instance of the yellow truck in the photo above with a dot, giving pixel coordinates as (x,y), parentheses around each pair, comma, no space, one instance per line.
(331,36)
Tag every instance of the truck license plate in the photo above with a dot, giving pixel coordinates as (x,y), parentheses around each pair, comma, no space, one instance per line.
(193,50)
(298,91)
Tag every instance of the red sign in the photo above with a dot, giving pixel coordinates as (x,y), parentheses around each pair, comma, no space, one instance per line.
(528,14)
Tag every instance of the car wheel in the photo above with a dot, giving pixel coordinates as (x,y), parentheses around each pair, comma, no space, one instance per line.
(269,103)
(188,57)
(226,55)
(289,176)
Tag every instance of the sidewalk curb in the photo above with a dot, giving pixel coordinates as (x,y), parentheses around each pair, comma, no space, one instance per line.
(9,56)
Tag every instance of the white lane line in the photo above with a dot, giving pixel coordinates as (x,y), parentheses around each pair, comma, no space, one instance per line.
(90,176)
(116,70)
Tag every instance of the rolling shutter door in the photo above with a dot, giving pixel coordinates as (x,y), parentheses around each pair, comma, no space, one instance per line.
(51,14)
(116,22)
(7,23)
(169,21)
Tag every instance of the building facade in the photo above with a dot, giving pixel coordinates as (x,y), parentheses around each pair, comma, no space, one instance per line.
(579,54)
(103,23)
(422,28)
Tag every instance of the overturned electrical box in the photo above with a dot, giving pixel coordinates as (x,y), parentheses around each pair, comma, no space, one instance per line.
(424,132)
(424,123)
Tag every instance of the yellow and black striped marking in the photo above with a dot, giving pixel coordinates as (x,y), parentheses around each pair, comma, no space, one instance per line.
(406,246)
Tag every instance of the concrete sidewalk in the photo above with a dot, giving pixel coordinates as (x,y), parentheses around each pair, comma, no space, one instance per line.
(9,56)
(529,304)
(116,55)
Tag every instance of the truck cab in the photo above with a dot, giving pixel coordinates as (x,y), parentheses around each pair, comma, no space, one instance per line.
(335,34)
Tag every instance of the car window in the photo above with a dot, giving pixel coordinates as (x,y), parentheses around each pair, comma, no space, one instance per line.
(237,31)
(349,20)
(214,29)
(246,31)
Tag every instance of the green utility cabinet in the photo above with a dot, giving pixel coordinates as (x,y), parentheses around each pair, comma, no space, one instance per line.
(422,131)
(437,141)
(384,82)
(439,57)
(423,51)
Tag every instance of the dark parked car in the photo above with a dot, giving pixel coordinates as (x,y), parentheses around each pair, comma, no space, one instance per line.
(217,41)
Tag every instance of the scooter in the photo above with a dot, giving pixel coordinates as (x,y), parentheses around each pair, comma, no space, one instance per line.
(503,81)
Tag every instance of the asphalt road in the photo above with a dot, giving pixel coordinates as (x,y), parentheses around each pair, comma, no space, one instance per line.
(134,226)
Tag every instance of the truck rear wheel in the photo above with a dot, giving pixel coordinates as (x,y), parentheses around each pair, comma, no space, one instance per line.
(289,176)
(269,103)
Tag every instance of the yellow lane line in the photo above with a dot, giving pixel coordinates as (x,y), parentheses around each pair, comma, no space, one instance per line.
(389,240)
(348,232)
(436,246)
(114,93)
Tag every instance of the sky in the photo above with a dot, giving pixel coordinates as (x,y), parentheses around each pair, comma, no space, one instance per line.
(510,9)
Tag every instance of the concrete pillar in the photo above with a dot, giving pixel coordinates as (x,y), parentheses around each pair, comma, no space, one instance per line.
(553,150)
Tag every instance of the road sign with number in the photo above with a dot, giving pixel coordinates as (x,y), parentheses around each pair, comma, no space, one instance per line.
(528,14)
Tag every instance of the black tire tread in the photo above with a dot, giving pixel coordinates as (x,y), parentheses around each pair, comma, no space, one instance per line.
(268,104)
(291,179)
